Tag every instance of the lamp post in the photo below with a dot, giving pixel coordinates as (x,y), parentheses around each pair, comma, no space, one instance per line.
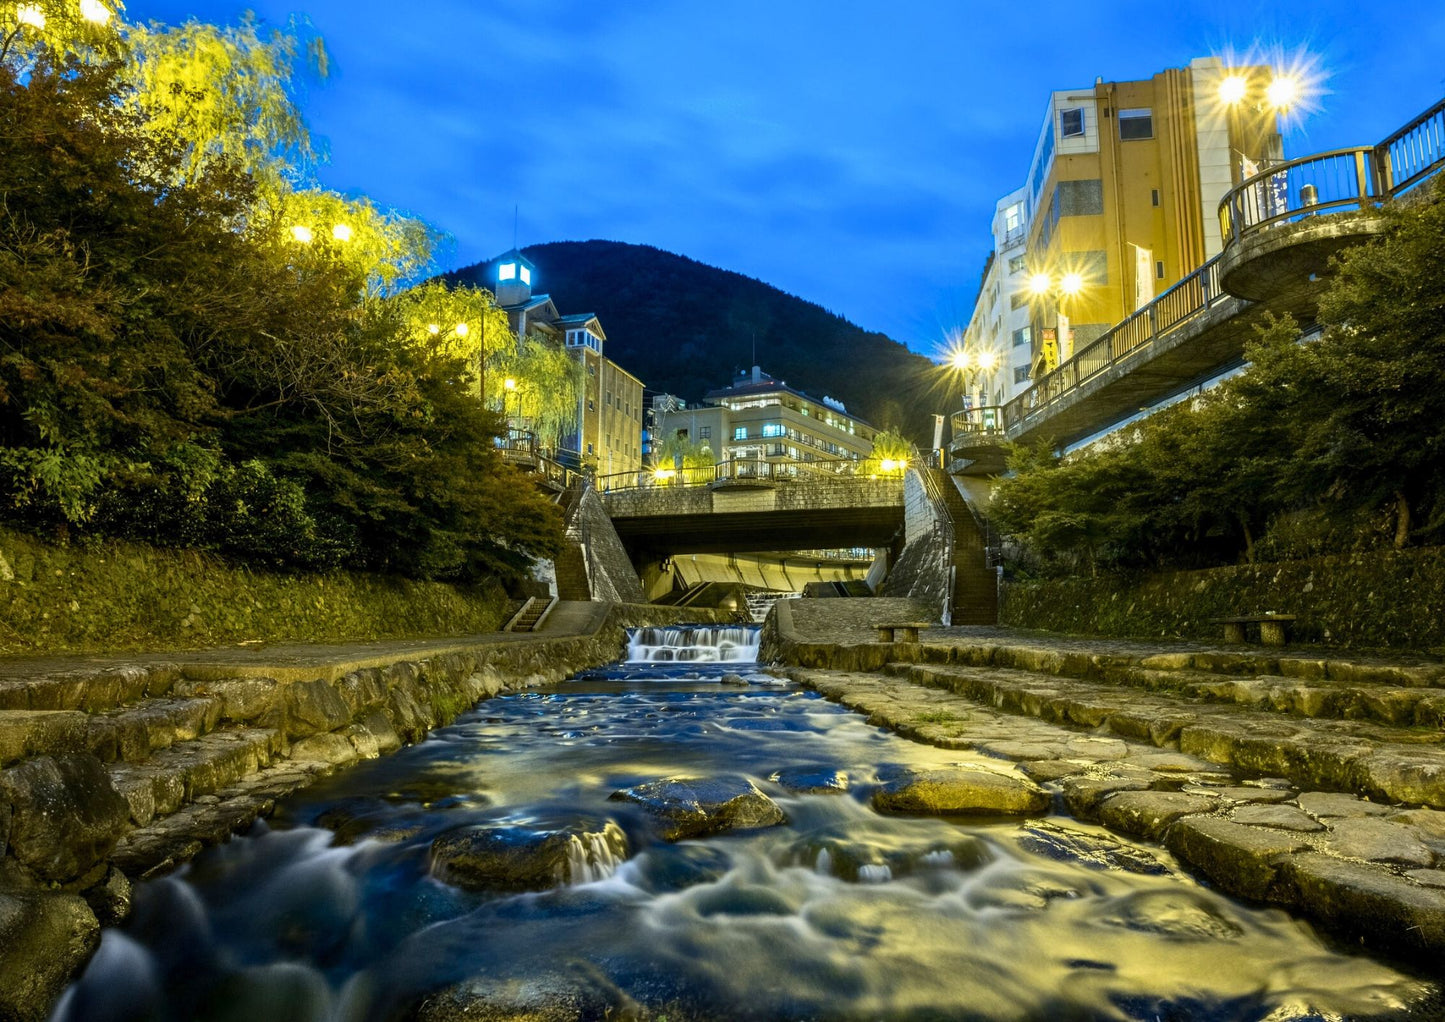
(976,365)
(1068,286)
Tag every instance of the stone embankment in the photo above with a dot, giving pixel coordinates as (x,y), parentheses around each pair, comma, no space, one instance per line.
(112,772)
(1312,782)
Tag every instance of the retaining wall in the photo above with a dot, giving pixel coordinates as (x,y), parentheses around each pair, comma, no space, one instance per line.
(1382,599)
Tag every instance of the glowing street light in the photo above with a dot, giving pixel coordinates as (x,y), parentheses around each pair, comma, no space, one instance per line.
(462,330)
(30,14)
(1040,284)
(433,328)
(1283,92)
(1071,284)
(1232,89)
(301,233)
(95,12)
(341,232)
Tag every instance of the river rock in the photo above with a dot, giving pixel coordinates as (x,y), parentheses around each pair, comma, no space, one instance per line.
(46,939)
(66,816)
(110,899)
(312,707)
(1244,861)
(521,858)
(960,791)
(698,806)
(813,780)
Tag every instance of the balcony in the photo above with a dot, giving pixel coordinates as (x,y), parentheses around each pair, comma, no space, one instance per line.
(980,443)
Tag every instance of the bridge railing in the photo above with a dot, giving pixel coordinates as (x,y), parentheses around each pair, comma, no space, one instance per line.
(738,469)
(1182,302)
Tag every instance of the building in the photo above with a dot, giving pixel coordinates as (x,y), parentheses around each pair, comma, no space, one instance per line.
(609,412)
(759,418)
(1119,203)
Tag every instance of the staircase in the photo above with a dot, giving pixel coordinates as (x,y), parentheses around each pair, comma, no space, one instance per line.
(975,581)
(531,615)
(571,562)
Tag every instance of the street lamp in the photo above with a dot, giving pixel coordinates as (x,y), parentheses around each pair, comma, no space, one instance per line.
(1066,287)
(974,364)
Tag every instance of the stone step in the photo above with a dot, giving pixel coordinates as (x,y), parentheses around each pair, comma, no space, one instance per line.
(166,842)
(133,733)
(1095,661)
(92,691)
(1392,764)
(1370,871)
(27,733)
(185,772)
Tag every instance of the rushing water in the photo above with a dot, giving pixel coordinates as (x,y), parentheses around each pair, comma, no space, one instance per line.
(331,913)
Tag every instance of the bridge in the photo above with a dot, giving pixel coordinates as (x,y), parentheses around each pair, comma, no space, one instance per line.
(1280,228)
(754,505)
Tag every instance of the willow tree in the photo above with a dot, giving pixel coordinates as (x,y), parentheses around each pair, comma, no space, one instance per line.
(547,388)
(892,452)
(57,28)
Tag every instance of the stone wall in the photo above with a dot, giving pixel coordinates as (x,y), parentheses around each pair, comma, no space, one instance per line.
(921,571)
(610,574)
(118,597)
(1384,599)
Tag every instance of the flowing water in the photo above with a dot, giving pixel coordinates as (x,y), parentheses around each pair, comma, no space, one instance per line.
(333,911)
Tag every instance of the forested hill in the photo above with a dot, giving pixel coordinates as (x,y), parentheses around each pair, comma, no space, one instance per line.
(684,328)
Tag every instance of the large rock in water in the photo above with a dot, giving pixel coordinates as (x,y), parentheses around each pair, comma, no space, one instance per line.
(958,791)
(45,939)
(697,806)
(65,815)
(520,858)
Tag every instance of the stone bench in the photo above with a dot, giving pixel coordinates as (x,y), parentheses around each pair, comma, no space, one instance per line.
(906,631)
(1273,628)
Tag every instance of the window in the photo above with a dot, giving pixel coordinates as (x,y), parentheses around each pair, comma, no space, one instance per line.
(1159,268)
(1136,124)
(1018,263)
(704,432)
(1017,300)
(591,370)
(740,433)
(1154,196)
(1013,218)
(1071,123)
(609,399)
(1023,337)
(1021,374)
(591,405)
(589,449)
(772,429)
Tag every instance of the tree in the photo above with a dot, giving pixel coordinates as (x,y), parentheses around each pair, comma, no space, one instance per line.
(548,387)
(892,454)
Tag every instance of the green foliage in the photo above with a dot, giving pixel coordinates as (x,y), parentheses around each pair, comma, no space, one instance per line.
(1326,445)
(549,384)
(892,454)
(680,451)
(171,373)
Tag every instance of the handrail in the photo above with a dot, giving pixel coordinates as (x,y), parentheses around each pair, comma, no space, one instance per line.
(738,469)
(1185,299)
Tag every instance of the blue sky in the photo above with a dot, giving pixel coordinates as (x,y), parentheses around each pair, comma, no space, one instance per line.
(848,153)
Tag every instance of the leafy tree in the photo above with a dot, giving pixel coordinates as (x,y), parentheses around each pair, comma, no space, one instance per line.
(30,29)
(892,454)
(549,384)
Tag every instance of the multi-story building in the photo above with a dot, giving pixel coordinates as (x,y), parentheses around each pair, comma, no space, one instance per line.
(759,418)
(609,411)
(1001,322)
(1118,205)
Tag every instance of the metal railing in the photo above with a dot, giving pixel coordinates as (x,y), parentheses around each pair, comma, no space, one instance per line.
(1180,303)
(1336,181)
(1342,179)
(741,470)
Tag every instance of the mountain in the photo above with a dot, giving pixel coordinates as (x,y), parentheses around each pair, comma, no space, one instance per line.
(684,328)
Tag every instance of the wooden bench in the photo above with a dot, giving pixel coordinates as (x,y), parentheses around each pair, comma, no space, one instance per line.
(1273,628)
(906,631)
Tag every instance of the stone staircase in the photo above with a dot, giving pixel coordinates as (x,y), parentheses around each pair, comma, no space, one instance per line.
(1317,784)
(975,582)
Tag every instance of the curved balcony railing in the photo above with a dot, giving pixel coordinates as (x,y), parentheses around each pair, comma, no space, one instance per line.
(1339,180)
(980,424)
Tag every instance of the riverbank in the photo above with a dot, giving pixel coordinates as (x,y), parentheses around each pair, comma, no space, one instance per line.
(113,596)
(1299,777)
(115,769)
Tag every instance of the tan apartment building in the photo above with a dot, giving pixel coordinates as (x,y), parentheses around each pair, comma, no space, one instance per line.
(1119,204)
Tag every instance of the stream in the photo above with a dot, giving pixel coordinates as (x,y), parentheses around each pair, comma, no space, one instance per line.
(333,911)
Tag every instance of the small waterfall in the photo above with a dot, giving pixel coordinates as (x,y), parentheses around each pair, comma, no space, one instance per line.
(593,857)
(760,601)
(694,644)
